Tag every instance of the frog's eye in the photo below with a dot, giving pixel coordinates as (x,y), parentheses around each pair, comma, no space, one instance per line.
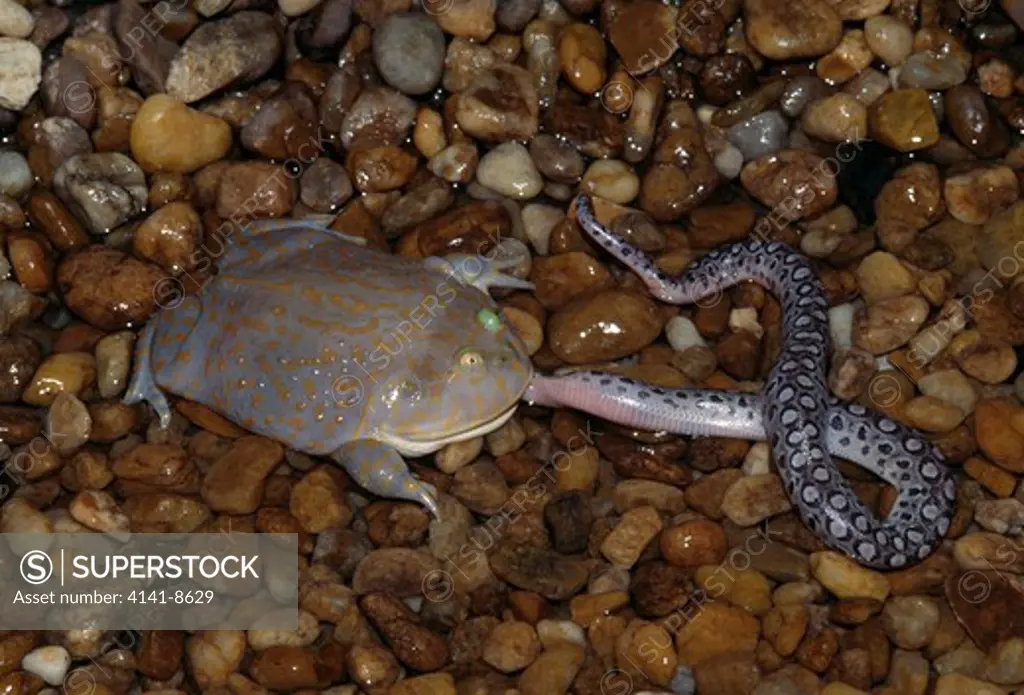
(489,320)
(470,358)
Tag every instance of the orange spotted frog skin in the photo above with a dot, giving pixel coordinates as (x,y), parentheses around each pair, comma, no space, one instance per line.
(310,338)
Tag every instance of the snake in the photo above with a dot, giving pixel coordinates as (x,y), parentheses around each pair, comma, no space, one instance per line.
(795,412)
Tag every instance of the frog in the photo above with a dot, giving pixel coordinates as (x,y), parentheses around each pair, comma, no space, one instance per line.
(310,337)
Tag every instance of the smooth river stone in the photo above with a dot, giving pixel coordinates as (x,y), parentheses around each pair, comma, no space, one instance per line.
(169,136)
(224,53)
(904,120)
(790,29)
(988,605)
(21,71)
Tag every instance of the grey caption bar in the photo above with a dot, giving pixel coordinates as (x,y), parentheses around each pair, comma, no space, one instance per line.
(149,581)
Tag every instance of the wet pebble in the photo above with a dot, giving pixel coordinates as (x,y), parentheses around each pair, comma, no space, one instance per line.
(983,357)
(889,324)
(56,140)
(837,118)
(550,574)
(889,39)
(716,630)
(170,237)
(801,91)
(847,60)
(791,176)
(257,187)
(726,77)
(21,66)
(64,372)
(783,30)
(51,663)
(754,498)
(611,179)
(481,114)
(846,579)
(379,116)
(904,120)
(694,544)
(15,175)
(106,189)
(763,134)
(222,53)
(569,518)
(325,186)
(107,288)
(509,170)
(926,70)
(974,196)
(412,643)
(631,29)
(581,331)
(637,527)
(511,646)
(409,50)
(973,123)
(284,126)
(556,159)
(19,358)
(15,20)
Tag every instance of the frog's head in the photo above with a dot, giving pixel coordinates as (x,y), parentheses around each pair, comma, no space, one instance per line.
(458,374)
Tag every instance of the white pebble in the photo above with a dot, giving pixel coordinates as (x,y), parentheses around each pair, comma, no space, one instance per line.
(682,333)
(15,20)
(611,179)
(729,162)
(705,112)
(49,663)
(509,170)
(539,221)
(15,175)
(21,70)
(756,460)
(951,386)
(745,319)
(840,325)
(553,632)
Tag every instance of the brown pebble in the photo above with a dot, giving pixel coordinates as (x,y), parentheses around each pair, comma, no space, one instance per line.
(412,643)
(904,120)
(108,288)
(796,184)
(694,543)
(255,188)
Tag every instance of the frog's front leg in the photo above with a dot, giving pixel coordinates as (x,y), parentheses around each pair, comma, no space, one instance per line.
(479,272)
(380,469)
(143,384)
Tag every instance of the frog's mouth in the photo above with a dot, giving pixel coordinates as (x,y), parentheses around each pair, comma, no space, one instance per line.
(413,448)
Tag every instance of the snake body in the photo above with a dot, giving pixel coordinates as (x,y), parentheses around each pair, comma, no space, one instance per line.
(795,412)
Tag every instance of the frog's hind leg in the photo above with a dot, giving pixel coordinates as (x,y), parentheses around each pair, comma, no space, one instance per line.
(143,386)
(380,469)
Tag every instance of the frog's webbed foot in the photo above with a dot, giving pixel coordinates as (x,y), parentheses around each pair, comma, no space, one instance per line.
(143,386)
(380,469)
(480,272)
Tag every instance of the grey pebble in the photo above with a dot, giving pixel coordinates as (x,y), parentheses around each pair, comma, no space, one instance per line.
(765,133)
(408,50)
(15,174)
(104,188)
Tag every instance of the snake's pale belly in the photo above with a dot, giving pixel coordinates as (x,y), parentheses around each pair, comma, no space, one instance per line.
(795,413)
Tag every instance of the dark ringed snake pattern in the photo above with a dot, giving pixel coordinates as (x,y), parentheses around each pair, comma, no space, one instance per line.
(795,412)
